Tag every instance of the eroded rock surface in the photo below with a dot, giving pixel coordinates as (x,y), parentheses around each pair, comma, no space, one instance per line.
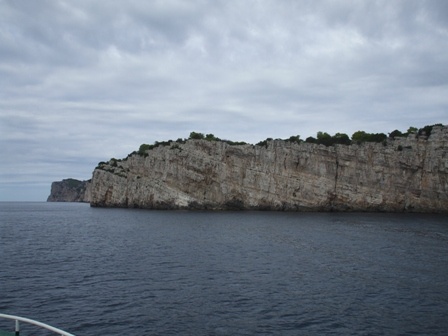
(405,174)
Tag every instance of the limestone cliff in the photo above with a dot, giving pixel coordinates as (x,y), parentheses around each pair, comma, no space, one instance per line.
(405,174)
(70,190)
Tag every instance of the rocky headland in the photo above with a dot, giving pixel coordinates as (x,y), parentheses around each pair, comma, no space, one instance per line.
(400,174)
(70,190)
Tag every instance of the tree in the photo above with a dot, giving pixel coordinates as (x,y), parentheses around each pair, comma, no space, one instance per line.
(295,138)
(359,136)
(324,138)
(341,138)
(395,133)
(311,139)
(197,136)
(412,130)
(143,148)
(210,137)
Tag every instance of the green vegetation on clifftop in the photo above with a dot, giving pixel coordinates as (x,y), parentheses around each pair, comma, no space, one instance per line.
(322,138)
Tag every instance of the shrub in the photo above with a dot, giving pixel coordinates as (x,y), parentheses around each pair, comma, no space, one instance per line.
(176,146)
(264,142)
(234,143)
(294,138)
(73,183)
(101,165)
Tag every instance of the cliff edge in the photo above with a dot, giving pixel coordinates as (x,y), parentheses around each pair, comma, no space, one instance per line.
(70,190)
(405,174)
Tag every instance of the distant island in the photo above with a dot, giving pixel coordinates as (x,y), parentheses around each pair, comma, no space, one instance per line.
(398,172)
(70,190)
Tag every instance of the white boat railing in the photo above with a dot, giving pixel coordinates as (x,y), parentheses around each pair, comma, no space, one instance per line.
(19,319)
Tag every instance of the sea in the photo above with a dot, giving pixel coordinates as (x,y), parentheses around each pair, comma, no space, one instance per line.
(96,271)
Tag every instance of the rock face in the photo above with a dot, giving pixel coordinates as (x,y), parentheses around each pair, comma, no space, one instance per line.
(70,190)
(406,174)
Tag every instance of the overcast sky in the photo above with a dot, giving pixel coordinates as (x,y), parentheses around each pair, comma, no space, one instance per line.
(83,81)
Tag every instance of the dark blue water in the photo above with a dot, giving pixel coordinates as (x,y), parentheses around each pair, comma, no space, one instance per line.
(96,271)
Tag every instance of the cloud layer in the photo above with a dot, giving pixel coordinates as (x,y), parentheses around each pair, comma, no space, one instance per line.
(88,80)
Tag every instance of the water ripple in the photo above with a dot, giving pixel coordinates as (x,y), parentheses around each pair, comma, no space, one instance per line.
(115,271)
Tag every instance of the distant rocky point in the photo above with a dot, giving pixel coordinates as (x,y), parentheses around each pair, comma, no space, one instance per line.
(70,190)
(372,172)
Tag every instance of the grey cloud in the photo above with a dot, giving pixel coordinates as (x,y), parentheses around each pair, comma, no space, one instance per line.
(437,13)
(88,80)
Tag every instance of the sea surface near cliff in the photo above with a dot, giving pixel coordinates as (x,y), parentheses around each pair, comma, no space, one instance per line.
(94,271)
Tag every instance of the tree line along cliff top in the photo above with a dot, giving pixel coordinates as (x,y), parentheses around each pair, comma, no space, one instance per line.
(322,138)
